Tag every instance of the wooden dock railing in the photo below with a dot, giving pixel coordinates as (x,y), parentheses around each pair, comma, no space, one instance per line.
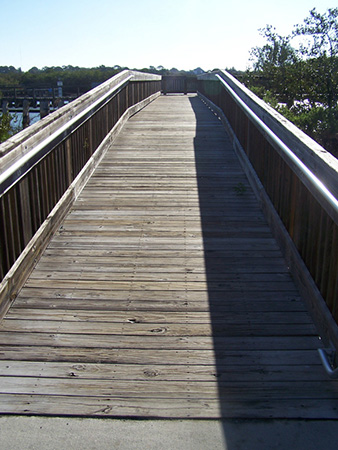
(43,168)
(299,178)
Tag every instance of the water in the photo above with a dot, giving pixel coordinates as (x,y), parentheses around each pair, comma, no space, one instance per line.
(16,122)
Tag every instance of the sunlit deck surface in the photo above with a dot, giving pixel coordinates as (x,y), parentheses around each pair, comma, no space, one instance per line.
(163,293)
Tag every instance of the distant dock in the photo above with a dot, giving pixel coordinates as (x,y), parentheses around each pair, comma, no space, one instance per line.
(37,100)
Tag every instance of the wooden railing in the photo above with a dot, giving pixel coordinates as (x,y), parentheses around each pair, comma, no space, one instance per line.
(43,168)
(178,84)
(300,180)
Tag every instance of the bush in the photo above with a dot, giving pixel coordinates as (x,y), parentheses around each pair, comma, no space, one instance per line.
(5,127)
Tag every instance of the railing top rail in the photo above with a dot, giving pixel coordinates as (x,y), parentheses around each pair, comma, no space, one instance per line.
(23,150)
(321,162)
(317,168)
(307,176)
(20,142)
(57,118)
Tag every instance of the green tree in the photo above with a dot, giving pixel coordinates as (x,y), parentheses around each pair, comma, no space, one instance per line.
(5,127)
(276,62)
(305,78)
(321,50)
(277,52)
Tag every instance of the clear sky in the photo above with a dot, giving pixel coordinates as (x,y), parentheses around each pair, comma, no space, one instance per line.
(138,33)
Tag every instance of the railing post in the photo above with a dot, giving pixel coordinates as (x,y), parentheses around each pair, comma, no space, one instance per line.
(4,106)
(25,114)
(44,108)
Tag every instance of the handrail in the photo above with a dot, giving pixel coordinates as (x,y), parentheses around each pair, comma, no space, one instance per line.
(288,154)
(30,136)
(44,167)
(20,167)
(286,168)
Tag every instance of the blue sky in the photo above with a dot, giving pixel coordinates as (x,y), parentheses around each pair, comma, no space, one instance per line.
(178,33)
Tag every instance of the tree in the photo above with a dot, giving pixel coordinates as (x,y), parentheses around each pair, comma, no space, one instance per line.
(5,127)
(277,52)
(305,78)
(275,61)
(321,50)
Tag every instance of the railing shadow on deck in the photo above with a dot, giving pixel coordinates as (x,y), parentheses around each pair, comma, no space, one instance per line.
(253,300)
(295,181)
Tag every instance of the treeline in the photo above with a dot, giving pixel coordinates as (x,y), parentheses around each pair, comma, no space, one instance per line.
(78,77)
(49,76)
(298,75)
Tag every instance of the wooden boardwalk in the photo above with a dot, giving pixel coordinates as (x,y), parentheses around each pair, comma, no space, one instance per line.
(163,294)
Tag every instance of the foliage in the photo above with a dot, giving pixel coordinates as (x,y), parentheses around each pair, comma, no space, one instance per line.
(82,78)
(275,60)
(322,49)
(240,189)
(79,78)
(303,79)
(5,127)
(277,52)
(323,32)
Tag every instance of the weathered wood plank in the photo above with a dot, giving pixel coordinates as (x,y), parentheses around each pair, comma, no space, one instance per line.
(231,391)
(191,279)
(231,285)
(131,327)
(101,351)
(167,408)
(152,317)
(228,299)
(139,306)
(161,372)
(159,265)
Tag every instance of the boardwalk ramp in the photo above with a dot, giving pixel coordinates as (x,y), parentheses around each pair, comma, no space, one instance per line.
(163,293)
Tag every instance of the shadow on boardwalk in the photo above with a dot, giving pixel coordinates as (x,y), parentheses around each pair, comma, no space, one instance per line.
(265,343)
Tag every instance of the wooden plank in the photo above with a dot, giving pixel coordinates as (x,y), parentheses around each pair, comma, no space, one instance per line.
(191,279)
(183,298)
(164,253)
(130,326)
(152,317)
(167,408)
(137,307)
(232,391)
(158,265)
(231,285)
(101,351)
(162,372)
